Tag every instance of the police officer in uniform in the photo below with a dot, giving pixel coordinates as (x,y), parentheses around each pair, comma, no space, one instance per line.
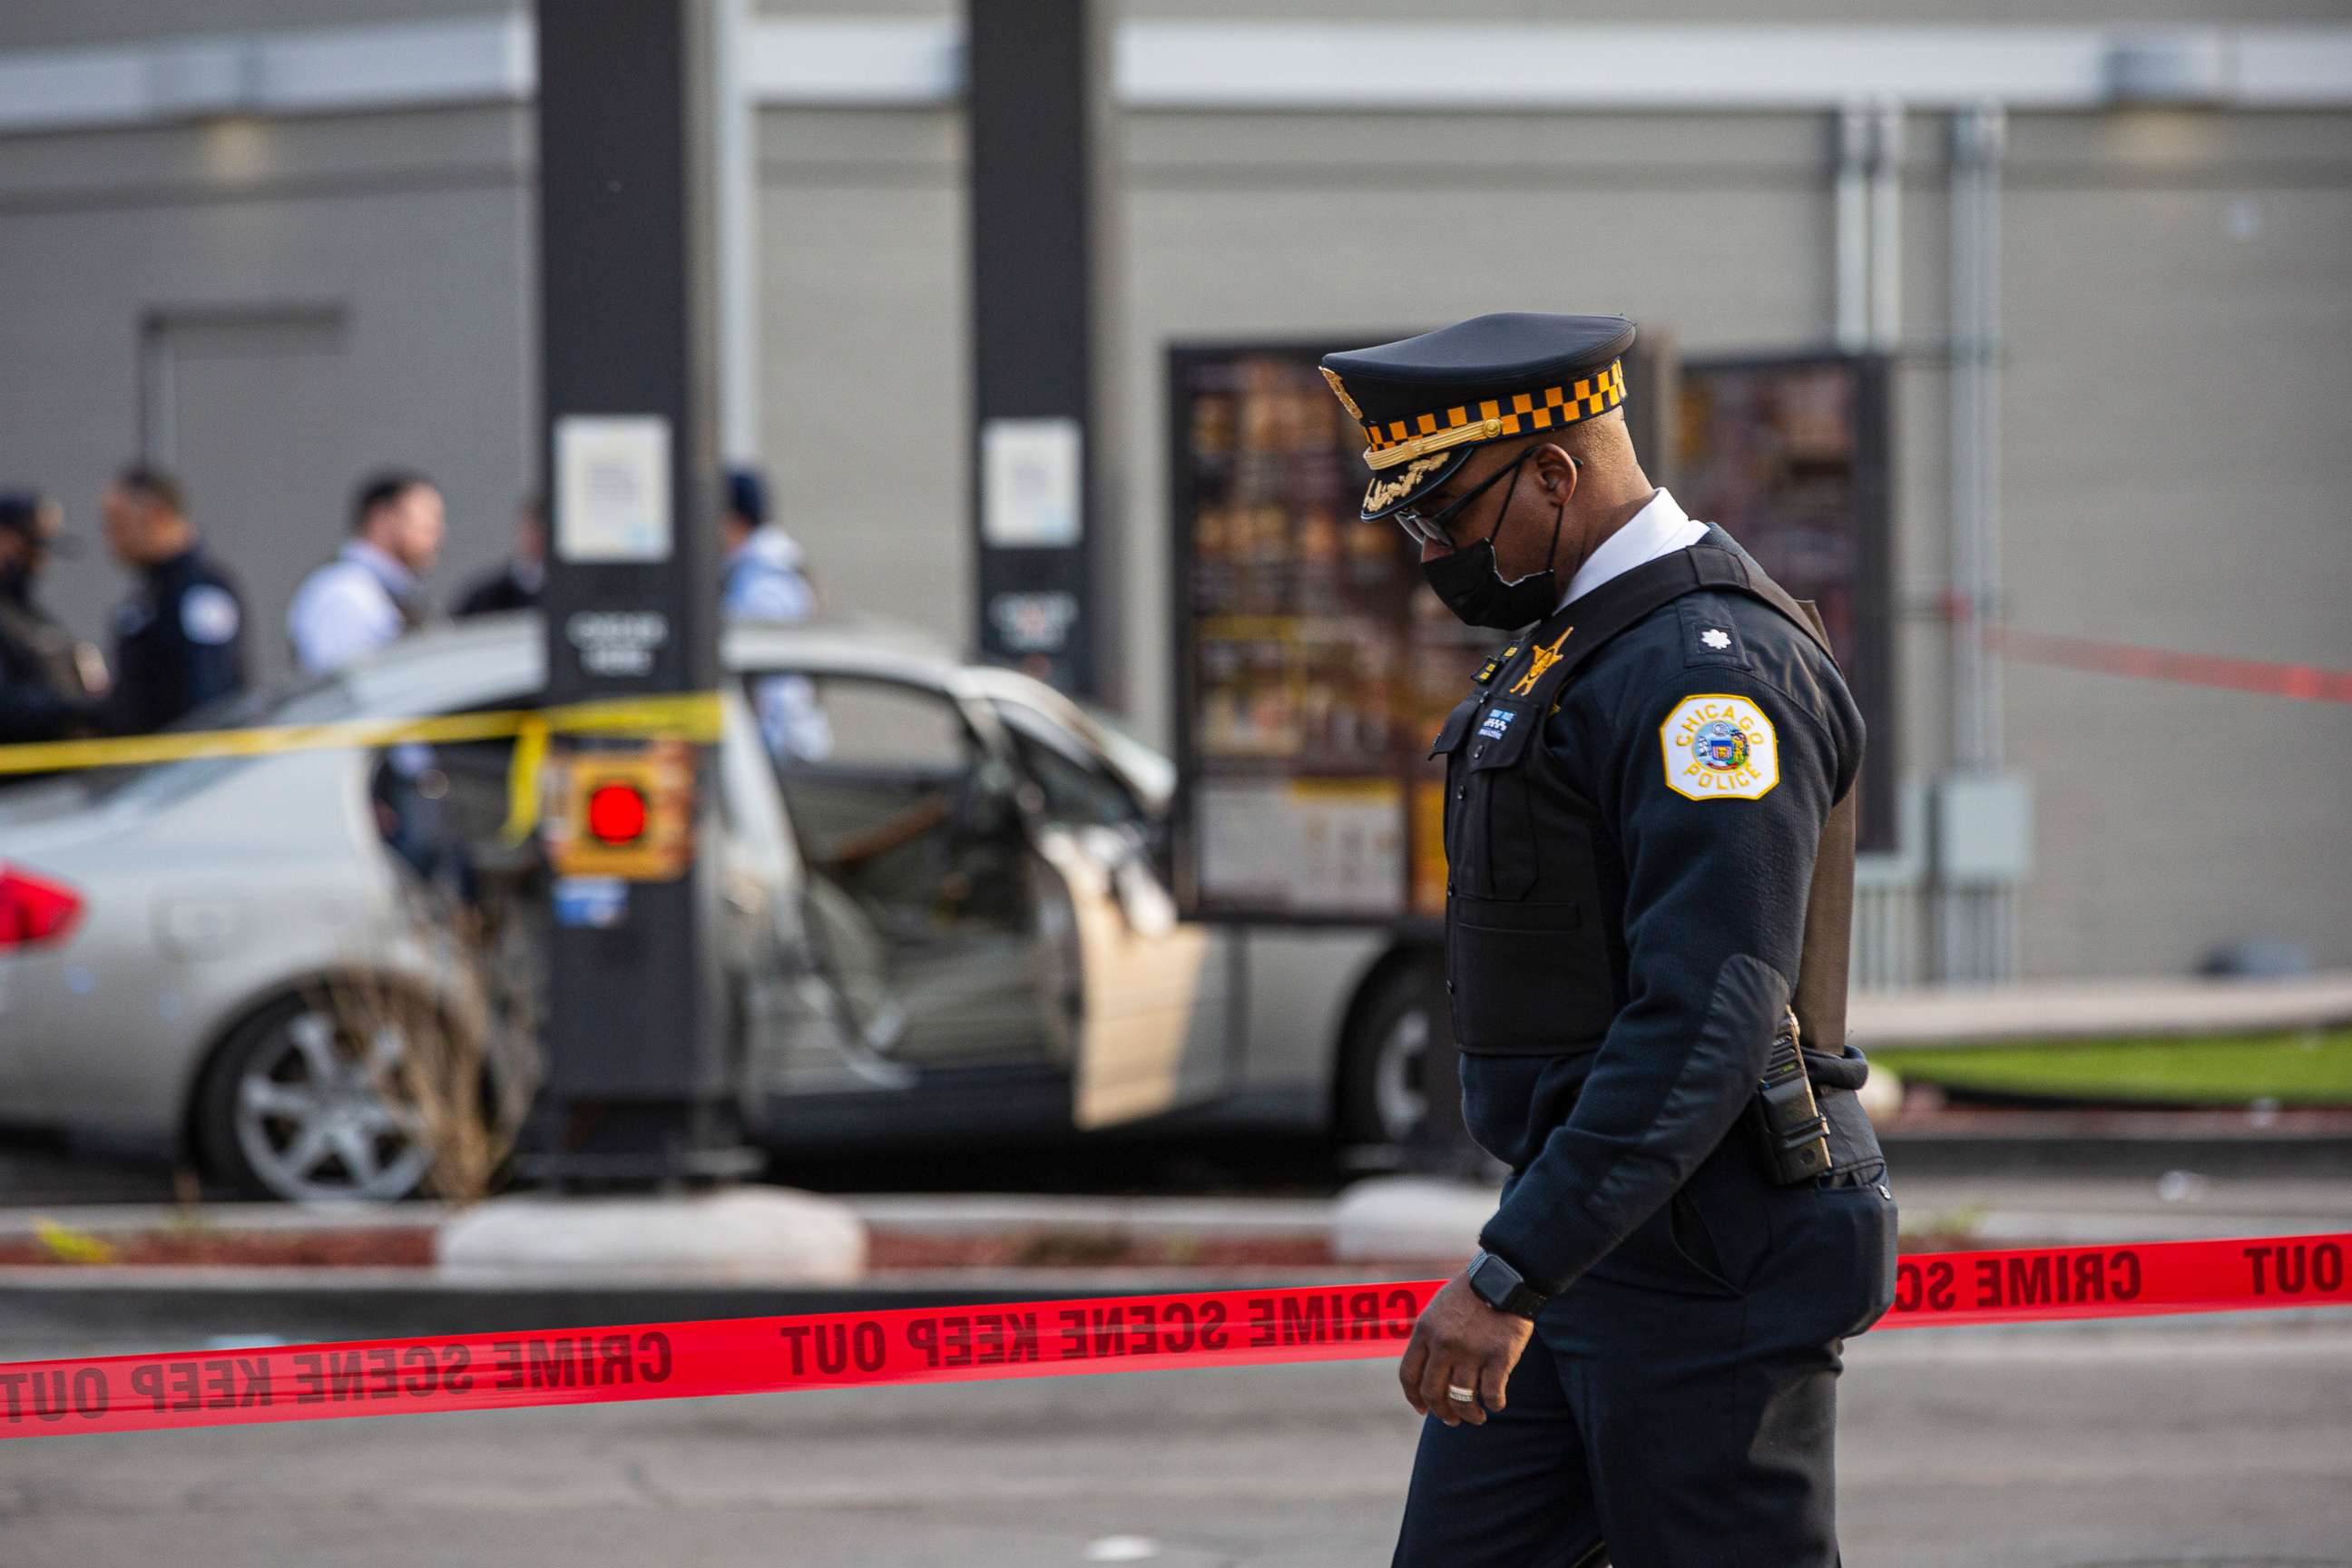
(760,579)
(179,637)
(1648,833)
(51,685)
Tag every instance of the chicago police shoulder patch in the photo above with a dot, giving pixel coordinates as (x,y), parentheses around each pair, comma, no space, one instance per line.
(208,614)
(1719,747)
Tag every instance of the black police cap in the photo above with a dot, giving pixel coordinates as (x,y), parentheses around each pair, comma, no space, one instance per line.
(1426,403)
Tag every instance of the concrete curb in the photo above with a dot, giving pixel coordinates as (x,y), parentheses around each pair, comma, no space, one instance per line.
(2153,1005)
(773,1236)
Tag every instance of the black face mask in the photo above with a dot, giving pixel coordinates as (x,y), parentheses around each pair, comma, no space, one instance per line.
(1468,583)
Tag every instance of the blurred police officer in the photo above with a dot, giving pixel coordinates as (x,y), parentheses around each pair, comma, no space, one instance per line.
(517,585)
(179,637)
(1643,790)
(51,686)
(372,593)
(761,576)
(760,579)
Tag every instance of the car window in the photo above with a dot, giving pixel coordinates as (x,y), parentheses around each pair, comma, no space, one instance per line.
(882,724)
(1078,788)
(468,783)
(321,700)
(888,748)
(893,809)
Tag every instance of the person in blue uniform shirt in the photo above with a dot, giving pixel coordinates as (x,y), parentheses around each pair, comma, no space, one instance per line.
(762,579)
(1640,1365)
(179,637)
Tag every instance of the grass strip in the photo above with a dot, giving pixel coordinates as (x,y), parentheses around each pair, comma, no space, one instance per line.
(2304,1069)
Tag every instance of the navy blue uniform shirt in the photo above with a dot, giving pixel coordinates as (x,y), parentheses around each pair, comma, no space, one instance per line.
(1703,838)
(179,643)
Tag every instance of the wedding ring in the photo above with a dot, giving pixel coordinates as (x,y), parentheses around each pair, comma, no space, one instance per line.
(1461,1395)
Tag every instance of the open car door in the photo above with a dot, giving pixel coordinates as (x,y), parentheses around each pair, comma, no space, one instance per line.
(1153,996)
(977,892)
(1152,1015)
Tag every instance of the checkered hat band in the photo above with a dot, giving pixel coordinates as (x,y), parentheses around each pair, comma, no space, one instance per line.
(1520,413)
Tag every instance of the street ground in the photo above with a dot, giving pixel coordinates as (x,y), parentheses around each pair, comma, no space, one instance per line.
(2214,1442)
(41,1168)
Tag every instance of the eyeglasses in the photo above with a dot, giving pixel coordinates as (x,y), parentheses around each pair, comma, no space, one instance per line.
(1435,527)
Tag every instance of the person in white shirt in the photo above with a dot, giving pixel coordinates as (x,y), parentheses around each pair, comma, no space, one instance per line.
(371,593)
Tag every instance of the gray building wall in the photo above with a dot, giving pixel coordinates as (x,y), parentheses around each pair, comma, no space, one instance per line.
(2176,288)
(49,24)
(2176,472)
(272,307)
(867,391)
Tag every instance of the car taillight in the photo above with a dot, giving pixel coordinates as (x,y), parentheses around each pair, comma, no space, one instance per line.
(34,911)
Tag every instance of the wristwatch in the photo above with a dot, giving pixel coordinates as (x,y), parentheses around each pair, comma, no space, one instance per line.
(1504,1287)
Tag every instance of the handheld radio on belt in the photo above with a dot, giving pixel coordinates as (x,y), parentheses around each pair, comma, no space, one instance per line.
(1789,1126)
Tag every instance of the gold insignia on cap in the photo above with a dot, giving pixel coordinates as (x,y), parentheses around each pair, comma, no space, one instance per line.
(1384,493)
(1339,390)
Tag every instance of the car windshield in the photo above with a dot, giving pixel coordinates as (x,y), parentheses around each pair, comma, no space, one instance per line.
(317,701)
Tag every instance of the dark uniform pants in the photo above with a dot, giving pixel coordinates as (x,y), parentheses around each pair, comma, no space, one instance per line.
(1676,1408)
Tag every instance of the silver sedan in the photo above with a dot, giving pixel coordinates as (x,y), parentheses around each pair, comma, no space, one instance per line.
(952,918)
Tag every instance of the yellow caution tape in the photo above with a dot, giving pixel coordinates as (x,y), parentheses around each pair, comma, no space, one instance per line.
(693,716)
(68,1245)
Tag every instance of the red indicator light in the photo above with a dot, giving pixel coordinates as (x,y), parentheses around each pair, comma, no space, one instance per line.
(32,912)
(616,812)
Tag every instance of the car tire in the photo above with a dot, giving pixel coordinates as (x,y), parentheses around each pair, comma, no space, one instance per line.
(1400,1022)
(286,1110)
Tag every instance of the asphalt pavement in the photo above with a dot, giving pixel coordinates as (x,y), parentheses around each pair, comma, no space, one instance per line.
(39,1168)
(2213,1443)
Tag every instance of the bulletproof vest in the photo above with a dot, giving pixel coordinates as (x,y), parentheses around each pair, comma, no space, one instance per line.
(1535,949)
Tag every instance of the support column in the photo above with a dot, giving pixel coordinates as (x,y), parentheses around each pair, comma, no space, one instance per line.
(1034,68)
(637,1079)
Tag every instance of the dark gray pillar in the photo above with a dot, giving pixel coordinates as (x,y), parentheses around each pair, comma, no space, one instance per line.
(638,1068)
(1034,69)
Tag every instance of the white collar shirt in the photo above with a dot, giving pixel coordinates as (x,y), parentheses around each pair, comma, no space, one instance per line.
(1659,529)
(345,609)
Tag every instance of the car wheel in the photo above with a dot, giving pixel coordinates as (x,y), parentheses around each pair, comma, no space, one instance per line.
(296,1107)
(1382,1095)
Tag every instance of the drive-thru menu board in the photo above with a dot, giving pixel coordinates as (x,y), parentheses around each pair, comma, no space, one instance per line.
(1792,455)
(1313,664)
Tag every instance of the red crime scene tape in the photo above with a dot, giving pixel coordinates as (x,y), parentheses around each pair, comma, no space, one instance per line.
(2304,682)
(1040,1339)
